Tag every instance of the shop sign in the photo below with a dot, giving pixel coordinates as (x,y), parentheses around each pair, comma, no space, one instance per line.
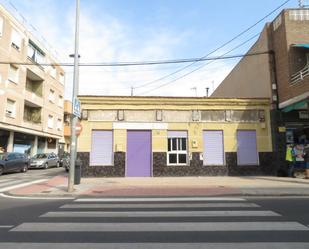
(303,114)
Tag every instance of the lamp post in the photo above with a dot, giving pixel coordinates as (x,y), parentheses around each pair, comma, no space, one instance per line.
(74,118)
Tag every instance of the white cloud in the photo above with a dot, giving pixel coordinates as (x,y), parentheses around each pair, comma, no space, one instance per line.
(109,39)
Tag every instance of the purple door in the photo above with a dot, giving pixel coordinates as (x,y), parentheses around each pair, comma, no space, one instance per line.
(138,153)
(246,148)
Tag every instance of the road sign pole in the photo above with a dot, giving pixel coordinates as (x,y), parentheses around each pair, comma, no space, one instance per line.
(73,145)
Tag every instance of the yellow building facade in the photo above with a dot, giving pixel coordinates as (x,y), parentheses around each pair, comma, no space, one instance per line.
(174,136)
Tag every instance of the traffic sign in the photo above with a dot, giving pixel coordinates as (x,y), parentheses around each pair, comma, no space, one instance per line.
(76,108)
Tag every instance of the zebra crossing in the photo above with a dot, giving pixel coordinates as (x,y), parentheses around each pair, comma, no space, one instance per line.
(120,223)
(8,184)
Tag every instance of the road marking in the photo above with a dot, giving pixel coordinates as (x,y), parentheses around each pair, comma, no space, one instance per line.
(22,185)
(254,245)
(160,227)
(5,226)
(161,205)
(167,199)
(162,214)
(11,182)
(35,198)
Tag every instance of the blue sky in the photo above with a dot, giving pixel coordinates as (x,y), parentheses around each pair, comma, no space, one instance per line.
(137,30)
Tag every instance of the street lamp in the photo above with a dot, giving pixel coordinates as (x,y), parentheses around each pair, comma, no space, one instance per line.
(74,118)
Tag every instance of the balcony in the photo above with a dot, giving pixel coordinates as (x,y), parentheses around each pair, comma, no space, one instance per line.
(34,88)
(32,114)
(67,107)
(299,61)
(67,130)
(299,76)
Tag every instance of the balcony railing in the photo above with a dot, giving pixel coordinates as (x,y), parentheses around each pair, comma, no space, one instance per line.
(300,75)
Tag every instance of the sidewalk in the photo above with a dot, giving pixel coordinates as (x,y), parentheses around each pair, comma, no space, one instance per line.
(169,186)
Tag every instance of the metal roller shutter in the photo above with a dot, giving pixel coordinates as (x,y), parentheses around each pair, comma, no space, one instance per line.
(101,148)
(213,153)
(246,148)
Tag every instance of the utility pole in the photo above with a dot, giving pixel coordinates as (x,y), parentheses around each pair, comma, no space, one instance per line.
(74,118)
(132,89)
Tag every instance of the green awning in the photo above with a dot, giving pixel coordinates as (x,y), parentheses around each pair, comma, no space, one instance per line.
(295,106)
(301,45)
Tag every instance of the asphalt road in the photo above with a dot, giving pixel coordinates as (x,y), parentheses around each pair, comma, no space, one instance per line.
(157,223)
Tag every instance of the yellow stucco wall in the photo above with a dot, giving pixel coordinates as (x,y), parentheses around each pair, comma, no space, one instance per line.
(195,129)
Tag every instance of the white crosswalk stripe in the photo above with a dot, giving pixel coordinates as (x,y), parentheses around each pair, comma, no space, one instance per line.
(161,227)
(135,216)
(162,214)
(19,184)
(164,199)
(161,205)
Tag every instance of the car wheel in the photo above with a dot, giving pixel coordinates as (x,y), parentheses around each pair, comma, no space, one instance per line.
(46,166)
(1,170)
(24,169)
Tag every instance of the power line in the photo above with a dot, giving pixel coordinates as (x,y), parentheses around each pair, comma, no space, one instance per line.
(145,63)
(223,55)
(226,43)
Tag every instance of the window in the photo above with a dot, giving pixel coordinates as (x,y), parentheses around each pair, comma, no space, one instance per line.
(16,39)
(51,96)
(50,122)
(10,108)
(13,73)
(60,101)
(35,53)
(59,124)
(1,25)
(101,148)
(53,71)
(61,78)
(177,148)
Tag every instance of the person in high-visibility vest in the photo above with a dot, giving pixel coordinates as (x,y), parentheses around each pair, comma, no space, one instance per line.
(290,158)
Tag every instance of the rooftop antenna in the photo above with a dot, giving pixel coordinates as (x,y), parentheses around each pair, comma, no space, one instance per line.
(301,4)
(195,89)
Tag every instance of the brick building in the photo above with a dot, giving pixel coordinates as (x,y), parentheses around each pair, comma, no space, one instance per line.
(281,75)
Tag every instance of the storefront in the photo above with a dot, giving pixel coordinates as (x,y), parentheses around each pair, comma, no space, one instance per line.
(157,136)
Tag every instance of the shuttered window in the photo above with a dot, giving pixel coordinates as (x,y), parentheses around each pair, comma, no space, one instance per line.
(1,25)
(246,148)
(16,39)
(213,153)
(101,148)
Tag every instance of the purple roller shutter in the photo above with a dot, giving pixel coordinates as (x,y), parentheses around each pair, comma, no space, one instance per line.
(138,153)
(101,148)
(246,148)
(213,148)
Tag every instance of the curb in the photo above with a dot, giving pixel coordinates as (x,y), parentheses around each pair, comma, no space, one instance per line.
(72,196)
